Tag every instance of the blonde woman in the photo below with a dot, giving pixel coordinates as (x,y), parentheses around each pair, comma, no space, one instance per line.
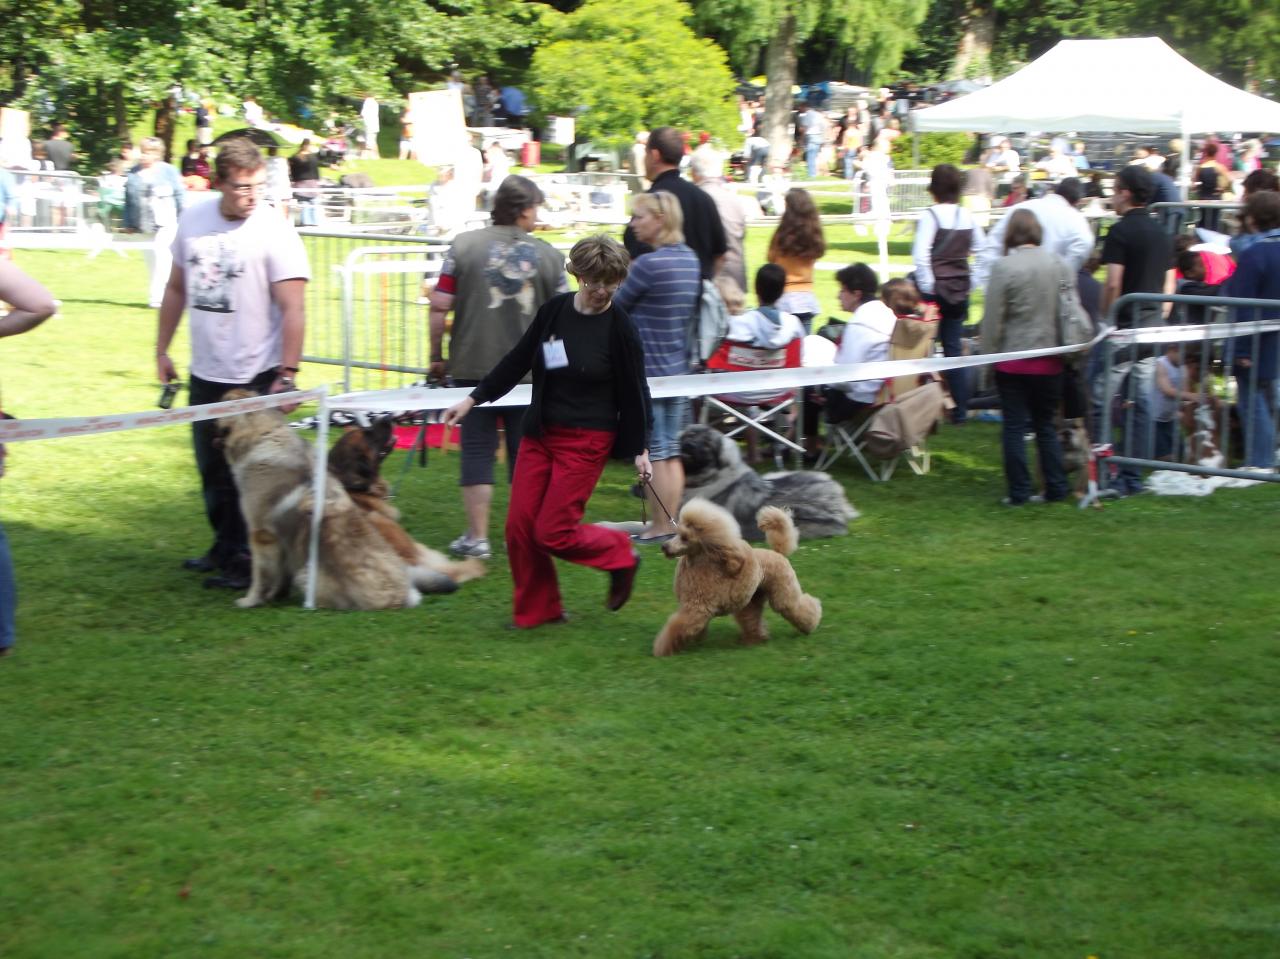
(153,198)
(660,294)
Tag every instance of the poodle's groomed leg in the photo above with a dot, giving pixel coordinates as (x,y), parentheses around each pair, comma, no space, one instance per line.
(797,607)
(751,621)
(681,629)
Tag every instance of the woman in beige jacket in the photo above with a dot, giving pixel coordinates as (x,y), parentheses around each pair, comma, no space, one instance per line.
(1021,313)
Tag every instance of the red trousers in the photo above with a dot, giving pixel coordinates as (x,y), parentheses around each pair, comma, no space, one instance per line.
(555,476)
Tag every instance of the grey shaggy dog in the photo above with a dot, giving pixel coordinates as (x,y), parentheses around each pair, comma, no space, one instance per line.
(713,469)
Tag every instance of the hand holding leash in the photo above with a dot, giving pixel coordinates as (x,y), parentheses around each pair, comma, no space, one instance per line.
(644,469)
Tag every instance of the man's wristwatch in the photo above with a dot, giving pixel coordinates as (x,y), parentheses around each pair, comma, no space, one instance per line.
(285,375)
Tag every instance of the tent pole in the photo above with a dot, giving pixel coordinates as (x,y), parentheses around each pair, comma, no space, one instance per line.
(1184,174)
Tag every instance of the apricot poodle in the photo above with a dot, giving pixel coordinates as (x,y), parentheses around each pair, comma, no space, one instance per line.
(720,574)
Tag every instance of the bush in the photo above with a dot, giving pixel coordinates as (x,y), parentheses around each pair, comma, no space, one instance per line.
(935,148)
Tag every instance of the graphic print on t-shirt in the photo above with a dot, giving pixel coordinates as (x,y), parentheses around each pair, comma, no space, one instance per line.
(212,266)
(510,272)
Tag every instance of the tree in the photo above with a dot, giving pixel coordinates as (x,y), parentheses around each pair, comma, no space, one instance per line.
(622,68)
(875,31)
(1229,38)
(102,63)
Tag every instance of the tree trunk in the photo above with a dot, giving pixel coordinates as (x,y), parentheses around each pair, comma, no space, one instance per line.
(121,112)
(780,69)
(973,53)
(164,125)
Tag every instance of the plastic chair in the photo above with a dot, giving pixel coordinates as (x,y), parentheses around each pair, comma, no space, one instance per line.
(895,428)
(753,411)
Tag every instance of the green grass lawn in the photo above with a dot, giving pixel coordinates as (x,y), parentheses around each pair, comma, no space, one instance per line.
(1038,732)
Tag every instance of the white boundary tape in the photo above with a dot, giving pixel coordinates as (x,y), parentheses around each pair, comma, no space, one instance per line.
(16,431)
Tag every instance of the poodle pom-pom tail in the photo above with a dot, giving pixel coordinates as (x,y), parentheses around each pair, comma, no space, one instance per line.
(778,529)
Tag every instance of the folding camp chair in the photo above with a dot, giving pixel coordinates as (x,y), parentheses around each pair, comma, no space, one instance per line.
(755,410)
(896,426)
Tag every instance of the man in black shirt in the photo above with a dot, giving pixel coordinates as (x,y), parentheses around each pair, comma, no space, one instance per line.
(58,147)
(703,228)
(1138,255)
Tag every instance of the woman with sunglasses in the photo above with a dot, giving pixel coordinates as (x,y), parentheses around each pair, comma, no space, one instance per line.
(590,400)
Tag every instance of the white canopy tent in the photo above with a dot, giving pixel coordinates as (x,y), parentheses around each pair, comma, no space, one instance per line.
(1127,86)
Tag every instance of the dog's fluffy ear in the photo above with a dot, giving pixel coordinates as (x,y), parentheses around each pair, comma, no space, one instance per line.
(239,393)
(381,436)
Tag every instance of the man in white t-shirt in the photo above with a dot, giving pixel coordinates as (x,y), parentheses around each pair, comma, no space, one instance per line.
(240,272)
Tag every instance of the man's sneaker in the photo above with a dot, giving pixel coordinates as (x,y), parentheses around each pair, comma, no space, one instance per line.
(466,547)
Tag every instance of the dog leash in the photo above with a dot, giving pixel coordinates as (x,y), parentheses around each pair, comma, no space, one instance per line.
(644,516)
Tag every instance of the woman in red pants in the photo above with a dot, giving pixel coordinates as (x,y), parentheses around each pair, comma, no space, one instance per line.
(590,401)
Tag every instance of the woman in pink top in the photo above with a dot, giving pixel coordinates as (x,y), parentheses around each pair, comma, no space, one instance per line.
(1021,314)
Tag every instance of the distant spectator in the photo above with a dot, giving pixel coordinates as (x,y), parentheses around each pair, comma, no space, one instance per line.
(58,147)
(1139,258)
(372,125)
(279,186)
(946,237)
(707,170)
(153,198)
(811,130)
(1257,357)
(1064,229)
(304,174)
(195,166)
(204,122)
(865,340)
(703,228)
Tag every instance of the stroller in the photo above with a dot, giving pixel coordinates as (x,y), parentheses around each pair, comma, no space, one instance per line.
(334,150)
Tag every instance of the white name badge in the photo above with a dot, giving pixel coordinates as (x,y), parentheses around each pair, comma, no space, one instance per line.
(554,356)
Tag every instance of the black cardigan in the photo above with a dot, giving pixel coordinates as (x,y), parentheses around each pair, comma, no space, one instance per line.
(635,414)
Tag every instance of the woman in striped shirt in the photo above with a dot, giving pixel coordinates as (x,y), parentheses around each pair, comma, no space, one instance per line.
(661,295)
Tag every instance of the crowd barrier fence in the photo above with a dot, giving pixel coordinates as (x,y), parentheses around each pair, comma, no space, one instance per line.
(1145,432)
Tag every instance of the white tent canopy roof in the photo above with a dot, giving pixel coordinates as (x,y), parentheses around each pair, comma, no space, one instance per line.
(1131,86)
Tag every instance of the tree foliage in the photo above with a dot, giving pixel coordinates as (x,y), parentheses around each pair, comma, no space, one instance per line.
(1228,38)
(102,63)
(622,68)
(874,32)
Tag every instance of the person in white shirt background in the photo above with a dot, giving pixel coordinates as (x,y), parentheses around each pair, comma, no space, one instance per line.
(1066,230)
(865,340)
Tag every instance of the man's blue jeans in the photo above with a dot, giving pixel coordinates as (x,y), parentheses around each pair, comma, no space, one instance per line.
(1133,380)
(811,149)
(8,594)
(1256,403)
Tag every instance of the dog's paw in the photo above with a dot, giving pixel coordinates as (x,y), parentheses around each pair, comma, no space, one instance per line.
(248,602)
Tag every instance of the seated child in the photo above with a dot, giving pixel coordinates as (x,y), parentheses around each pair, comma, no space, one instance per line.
(766,326)
(1174,387)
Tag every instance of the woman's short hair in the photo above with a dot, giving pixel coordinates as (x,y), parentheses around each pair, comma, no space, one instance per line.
(944,183)
(1024,230)
(151,146)
(771,280)
(238,154)
(666,208)
(598,259)
(515,195)
(859,278)
(1263,210)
